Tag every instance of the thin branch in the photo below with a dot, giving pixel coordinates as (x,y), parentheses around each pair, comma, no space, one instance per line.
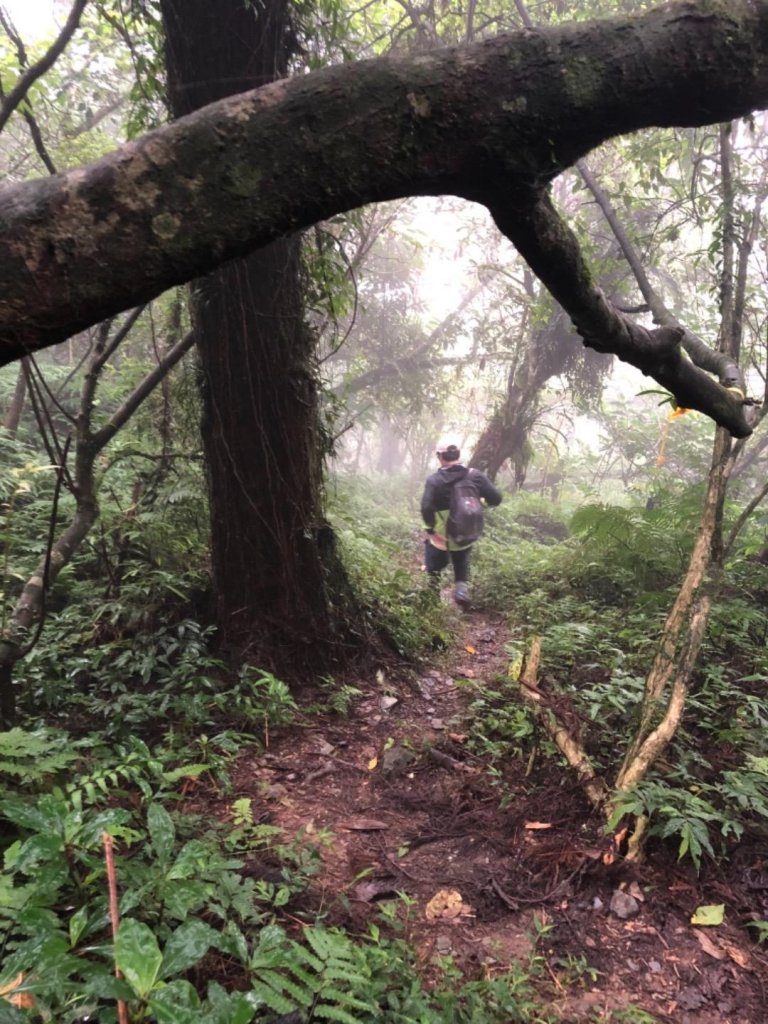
(104,434)
(46,387)
(701,354)
(743,517)
(113,344)
(552,251)
(60,475)
(35,71)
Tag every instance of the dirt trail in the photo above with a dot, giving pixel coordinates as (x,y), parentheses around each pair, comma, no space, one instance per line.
(411,810)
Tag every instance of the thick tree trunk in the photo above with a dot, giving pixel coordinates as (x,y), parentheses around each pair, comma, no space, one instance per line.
(271,550)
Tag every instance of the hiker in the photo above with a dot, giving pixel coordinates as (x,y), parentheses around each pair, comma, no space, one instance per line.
(452,510)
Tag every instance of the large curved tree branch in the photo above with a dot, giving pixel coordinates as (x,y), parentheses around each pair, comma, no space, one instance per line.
(702,355)
(552,250)
(493,122)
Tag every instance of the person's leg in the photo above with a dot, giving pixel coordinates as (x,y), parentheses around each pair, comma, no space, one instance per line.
(460,561)
(435,561)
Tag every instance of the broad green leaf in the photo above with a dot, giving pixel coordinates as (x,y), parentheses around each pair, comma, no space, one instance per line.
(232,941)
(189,861)
(227,1007)
(712,914)
(138,956)
(162,831)
(46,816)
(185,771)
(77,925)
(10,1015)
(176,1003)
(104,985)
(181,898)
(188,944)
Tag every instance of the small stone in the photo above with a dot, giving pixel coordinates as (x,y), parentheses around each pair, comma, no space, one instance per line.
(443,944)
(324,747)
(597,903)
(654,966)
(397,759)
(437,723)
(387,702)
(624,906)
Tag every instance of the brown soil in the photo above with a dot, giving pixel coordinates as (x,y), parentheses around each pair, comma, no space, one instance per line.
(410,810)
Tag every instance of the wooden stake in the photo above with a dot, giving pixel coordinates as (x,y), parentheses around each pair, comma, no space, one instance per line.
(114,913)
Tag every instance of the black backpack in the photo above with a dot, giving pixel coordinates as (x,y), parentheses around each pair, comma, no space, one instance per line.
(465,513)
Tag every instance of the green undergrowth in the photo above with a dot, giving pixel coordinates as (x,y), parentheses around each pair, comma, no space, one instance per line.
(598,598)
(140,711)
(204,933)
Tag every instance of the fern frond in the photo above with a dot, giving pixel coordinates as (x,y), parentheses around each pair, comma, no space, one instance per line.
(303,954)
(272,1000)
(326,1012)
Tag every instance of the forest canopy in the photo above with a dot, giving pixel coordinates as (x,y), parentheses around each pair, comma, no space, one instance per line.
(493,121)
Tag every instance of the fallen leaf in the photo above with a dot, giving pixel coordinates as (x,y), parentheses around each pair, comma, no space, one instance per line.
(363,825)
(710,948)
(737,955)
(538,824)
(634,890)
(372,763)
(458,737)
(709,915)
(619,837)
(447,905)
(680,886)
(21,999)
(470,649)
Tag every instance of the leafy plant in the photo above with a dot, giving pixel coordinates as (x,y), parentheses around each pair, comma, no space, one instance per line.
(688,816)
(30,759)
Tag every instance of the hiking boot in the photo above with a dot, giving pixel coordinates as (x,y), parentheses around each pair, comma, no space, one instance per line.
(461,596)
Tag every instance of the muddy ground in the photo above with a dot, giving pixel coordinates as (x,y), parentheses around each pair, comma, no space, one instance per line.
(491,882)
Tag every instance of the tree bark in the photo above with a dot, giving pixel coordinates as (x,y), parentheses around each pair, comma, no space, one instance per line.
(272,552)
(493,122)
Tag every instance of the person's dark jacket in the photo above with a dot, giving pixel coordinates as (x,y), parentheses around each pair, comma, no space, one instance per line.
(436,499)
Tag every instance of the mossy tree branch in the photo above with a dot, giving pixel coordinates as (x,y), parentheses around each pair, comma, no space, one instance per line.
(493,122)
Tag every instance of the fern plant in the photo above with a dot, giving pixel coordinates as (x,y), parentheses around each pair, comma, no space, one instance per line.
(28,760)
(326,977)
